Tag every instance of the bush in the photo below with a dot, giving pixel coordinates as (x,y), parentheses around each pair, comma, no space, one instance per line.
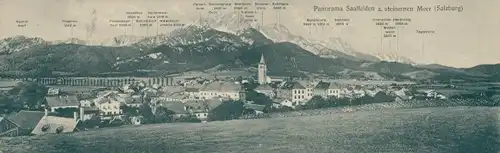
(258,98)
(317,102)
(228,110)
(255,116)
(28,94)
(163,115)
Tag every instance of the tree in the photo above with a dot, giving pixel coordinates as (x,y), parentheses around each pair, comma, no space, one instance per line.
(362,100)
(228,110)
(31,95)
(258,98)
(189,119)
(281,109)
(146,112)
(317,102)
(129,111)
(335,102)
(7,105)
(40,71)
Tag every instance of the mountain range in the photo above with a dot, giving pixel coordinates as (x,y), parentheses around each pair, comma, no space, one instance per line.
(202,47)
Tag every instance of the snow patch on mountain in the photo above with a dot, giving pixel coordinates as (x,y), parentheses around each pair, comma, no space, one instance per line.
(214,28)
(394,57)
(71,41)
(155,55)
(247,40)
(422,74)
(226,22)
(151,42)
(279,33)
(18,43)
(122,40)
(189,35)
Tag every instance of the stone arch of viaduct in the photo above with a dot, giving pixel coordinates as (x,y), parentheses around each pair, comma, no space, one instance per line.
(112,82)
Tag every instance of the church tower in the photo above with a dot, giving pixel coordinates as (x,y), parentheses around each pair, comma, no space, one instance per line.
(262,76)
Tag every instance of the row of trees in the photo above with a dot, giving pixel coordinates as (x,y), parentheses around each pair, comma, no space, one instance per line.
(315,102)
(318,102)
(161,115)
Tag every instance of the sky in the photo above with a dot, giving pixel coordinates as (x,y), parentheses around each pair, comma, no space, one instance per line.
(461,39)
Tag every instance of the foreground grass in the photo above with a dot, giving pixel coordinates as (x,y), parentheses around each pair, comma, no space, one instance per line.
(453,130)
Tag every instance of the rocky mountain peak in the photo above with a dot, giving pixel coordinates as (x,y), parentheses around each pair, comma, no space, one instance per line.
(18,43)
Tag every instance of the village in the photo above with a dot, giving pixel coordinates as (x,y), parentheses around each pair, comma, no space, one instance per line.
(198,100)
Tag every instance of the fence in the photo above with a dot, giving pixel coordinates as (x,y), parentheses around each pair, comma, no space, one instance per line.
(390,105)
(162,81)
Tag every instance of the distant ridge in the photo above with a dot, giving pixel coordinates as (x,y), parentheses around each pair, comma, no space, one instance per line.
(195,47)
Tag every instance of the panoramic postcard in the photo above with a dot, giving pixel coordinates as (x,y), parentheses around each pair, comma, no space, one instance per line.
(245,76)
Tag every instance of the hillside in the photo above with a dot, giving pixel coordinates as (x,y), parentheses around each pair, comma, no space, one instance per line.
(18,43)
(444,130)
(185,49)
(289,58)
(67,58)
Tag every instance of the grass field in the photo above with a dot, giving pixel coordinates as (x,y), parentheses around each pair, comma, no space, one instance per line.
(444,130)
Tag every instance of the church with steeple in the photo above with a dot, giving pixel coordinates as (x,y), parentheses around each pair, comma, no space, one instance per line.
(262,72)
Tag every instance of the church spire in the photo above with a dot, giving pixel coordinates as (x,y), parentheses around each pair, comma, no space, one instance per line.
(262,61)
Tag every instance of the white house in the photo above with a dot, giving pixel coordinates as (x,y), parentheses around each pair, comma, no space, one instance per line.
(86,103)
(322,89)
(286,102)
(298,92)
(257,109)
(175,97)
(53,91)
(292,90)
(220,89)
(55,125)
(265,89)
(192,92)
(334,90)
(201,108)
(309,88)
